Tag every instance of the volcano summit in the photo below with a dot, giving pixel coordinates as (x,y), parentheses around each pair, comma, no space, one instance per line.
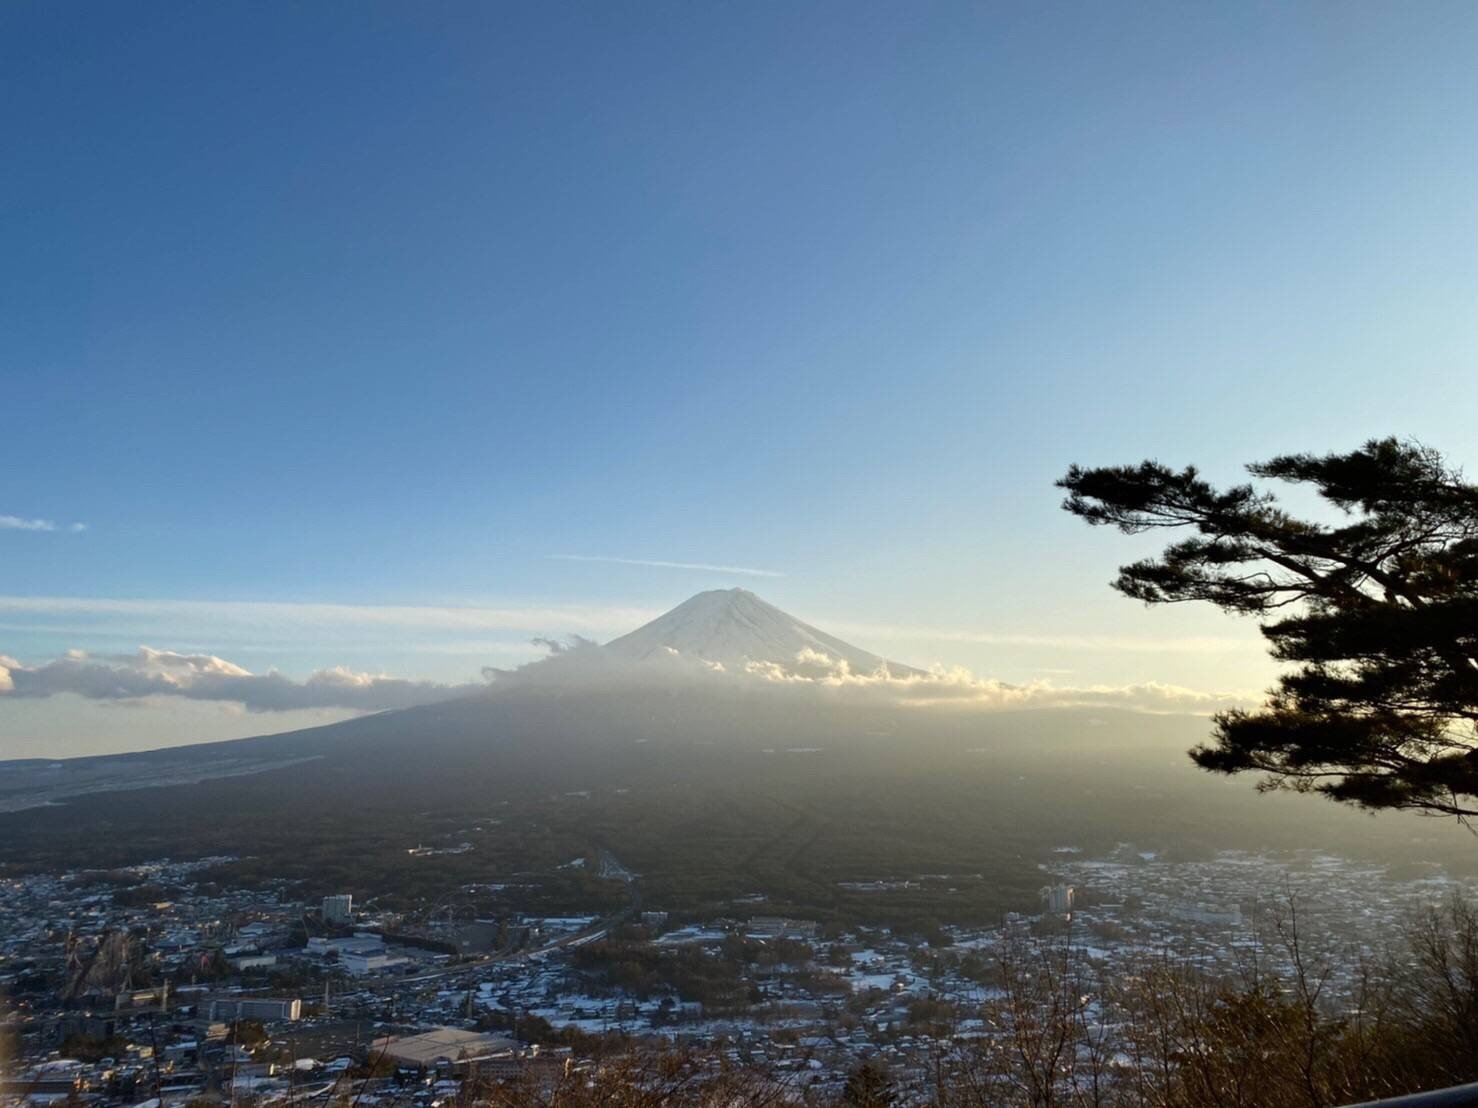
(734,627)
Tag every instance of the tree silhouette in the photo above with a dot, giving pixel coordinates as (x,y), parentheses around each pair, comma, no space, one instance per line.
(868,1086)
(1376,609)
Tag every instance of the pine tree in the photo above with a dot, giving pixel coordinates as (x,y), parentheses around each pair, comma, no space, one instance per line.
(1375,610)
(868,1086)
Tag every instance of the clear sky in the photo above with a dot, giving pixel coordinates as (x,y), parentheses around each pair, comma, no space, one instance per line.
(312,312)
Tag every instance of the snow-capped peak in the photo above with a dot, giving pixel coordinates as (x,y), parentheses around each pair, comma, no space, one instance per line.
(734,627)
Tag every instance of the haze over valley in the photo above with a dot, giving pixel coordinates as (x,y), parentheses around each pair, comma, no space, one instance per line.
(723,725)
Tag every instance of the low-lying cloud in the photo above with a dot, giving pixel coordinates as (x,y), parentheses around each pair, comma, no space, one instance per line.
(581,663)
(960,688)
(163,673)
(575,663)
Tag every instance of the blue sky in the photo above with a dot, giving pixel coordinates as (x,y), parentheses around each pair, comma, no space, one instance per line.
(336,308)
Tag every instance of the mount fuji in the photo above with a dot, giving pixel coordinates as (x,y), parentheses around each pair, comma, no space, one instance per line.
(734,627)
(713,785)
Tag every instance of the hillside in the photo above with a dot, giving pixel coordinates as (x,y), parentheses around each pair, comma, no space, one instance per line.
(711,785)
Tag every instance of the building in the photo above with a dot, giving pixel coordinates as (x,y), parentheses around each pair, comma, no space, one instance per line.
(338,909)
(41,1088)
(1057,900)
(260,934)
(361,942)
(266,1009)
(777,927)
(443,1045)
(103,1016)
(1229,915)
(358,954)
(361,962)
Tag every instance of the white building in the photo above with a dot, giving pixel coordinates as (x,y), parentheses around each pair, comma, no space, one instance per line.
(1226,915)
(256,1008)
(1057,900)
(360,963)
(776,927)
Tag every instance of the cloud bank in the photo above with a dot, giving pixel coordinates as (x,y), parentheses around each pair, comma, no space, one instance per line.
(580,663)
(960,688)
(577,664)
(163,673)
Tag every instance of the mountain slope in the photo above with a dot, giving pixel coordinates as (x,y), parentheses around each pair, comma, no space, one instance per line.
(733,627)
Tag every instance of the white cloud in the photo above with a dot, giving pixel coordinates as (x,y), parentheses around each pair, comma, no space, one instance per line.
(17,523)
(812,673)
(154,676)
(960,688)
(150,673)
(705,567)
